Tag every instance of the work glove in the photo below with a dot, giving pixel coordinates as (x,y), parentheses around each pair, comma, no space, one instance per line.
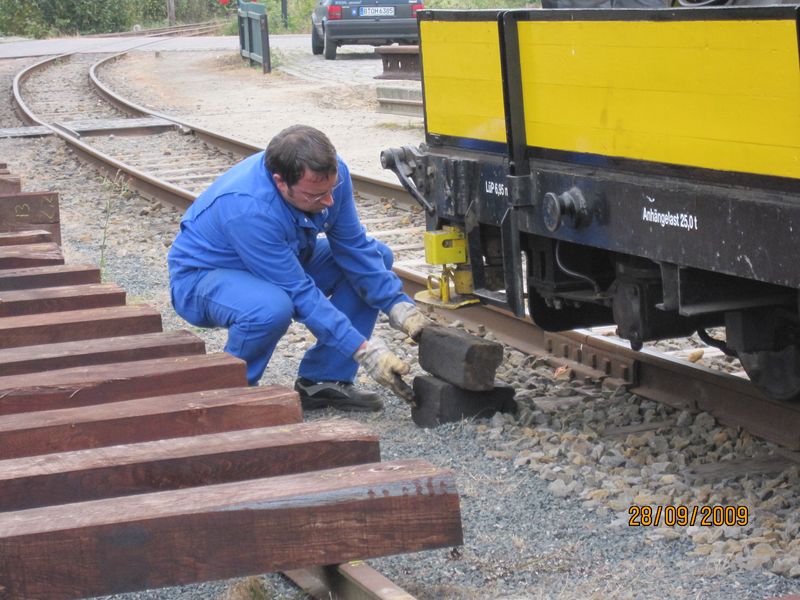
(406,317)
(383,366)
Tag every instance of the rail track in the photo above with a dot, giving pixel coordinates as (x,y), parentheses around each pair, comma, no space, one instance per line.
(169,159)
(187,30)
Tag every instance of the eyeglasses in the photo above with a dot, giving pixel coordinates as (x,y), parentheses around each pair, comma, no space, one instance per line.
(314,198)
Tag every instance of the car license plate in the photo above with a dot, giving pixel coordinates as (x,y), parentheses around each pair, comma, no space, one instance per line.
(377,11)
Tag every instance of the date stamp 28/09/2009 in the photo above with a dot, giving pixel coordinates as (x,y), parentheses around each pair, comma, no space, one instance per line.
(671,515)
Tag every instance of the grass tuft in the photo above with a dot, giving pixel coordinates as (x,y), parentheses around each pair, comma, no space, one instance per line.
(246,589)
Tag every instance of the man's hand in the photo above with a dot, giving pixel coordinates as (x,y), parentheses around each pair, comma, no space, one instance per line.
(380,362)
(406,317)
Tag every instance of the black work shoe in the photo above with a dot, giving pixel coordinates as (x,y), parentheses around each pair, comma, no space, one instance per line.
(336,394)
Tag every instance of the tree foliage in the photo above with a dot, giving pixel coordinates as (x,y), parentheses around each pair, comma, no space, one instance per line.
(298,15)
(40,18)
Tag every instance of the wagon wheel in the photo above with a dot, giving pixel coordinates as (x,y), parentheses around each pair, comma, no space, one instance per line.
(775,372)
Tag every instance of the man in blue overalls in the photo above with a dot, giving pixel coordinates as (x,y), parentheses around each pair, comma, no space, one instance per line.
(248,258)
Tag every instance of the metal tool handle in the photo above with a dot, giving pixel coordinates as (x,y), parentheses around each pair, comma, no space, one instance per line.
(403,390)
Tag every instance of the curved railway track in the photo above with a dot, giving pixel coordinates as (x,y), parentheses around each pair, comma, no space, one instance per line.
(169,159)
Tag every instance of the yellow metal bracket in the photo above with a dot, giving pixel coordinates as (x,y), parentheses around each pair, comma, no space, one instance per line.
(445,247)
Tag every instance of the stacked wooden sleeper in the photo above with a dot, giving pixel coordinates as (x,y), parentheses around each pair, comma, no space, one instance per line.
(130,459)
(462,382)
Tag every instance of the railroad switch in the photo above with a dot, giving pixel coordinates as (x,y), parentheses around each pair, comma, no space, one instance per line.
(447,247)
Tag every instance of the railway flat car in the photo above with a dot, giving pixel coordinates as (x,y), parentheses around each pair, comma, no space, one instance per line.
(632,166)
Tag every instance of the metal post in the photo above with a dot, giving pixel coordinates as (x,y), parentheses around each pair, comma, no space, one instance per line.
(266,62)
(171,11)
(242,20)
(285,14)
(254,34)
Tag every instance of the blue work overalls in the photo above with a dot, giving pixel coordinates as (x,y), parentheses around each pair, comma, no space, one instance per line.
(247,260)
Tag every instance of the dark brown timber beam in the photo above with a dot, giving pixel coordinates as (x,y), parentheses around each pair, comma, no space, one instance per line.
(50,357)
(29,210)
(228,530)
(52,328)
(98,384)
(30,255)
(48,276)
(56,299)
(147,419)
(178,463)
(16,238)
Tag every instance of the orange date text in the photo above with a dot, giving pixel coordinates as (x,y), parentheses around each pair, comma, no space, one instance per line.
(671,515)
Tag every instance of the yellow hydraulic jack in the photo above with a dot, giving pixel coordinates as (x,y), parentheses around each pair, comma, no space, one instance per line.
(447,247)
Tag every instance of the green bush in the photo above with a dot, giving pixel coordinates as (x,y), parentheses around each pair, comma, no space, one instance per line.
(21,18)
(149,12)
(299,11)
(85,16)
(231,28)
(40,18)
(478,4)
(298,16)
(194,11)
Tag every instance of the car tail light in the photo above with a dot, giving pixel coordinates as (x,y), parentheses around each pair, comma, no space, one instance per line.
(415,8)
(334,12)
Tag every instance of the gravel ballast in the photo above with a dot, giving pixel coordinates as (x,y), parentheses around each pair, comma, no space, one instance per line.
(544,494)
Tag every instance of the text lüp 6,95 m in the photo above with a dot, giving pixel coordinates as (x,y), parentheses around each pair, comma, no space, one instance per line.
(671,515)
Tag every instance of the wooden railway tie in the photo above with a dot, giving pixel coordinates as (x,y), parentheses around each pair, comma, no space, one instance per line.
(130,459)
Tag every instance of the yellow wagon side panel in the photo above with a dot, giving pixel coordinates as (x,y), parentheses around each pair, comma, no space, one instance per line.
(463,81)
(711,94)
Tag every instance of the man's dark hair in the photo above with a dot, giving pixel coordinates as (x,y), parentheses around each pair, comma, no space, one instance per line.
(298,148)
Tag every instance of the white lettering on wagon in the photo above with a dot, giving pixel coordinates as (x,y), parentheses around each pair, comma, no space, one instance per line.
(670,219)
(496,188)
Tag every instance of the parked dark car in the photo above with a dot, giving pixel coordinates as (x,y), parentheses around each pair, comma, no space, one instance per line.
(374,22)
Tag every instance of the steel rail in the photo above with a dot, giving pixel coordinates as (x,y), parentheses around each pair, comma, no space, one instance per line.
(732,400)
(163,31)
(120,172)
(354,581)
(20,107)
(367,186)
(190,30)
